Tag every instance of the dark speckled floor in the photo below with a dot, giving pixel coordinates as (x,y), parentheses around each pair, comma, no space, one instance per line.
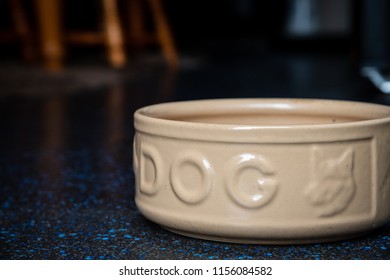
(66,180)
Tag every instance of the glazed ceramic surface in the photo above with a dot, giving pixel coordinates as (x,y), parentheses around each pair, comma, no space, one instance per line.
(264,170)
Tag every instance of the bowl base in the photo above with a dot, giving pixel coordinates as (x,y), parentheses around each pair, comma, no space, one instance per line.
(285,241)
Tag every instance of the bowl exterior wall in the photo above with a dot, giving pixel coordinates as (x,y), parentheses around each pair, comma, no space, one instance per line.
(301,185)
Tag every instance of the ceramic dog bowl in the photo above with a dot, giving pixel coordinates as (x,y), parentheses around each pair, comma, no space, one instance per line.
(273,171)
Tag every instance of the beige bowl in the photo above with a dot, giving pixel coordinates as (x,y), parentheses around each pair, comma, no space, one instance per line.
(264,170)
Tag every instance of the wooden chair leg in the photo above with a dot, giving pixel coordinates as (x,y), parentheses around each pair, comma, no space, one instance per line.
(49,22)
(164,33)
(113,33)
(22,29)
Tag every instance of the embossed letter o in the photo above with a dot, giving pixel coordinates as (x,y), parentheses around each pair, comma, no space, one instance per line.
(191,177)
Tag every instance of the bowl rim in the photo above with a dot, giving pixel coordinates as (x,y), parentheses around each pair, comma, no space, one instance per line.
(146,119)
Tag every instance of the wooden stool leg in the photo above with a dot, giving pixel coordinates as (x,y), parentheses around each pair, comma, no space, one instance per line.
(137,30)
(164,33)
(113,33)
(49,22)
(22,28)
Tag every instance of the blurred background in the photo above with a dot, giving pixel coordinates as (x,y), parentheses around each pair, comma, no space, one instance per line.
(65,46)
(72,73)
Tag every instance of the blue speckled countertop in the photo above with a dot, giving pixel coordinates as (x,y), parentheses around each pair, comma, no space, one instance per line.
(66,179)
(80,206)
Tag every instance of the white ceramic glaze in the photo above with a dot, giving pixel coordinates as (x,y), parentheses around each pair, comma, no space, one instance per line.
(264,170)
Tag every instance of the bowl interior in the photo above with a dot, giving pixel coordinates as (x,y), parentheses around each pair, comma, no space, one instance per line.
(270,118)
